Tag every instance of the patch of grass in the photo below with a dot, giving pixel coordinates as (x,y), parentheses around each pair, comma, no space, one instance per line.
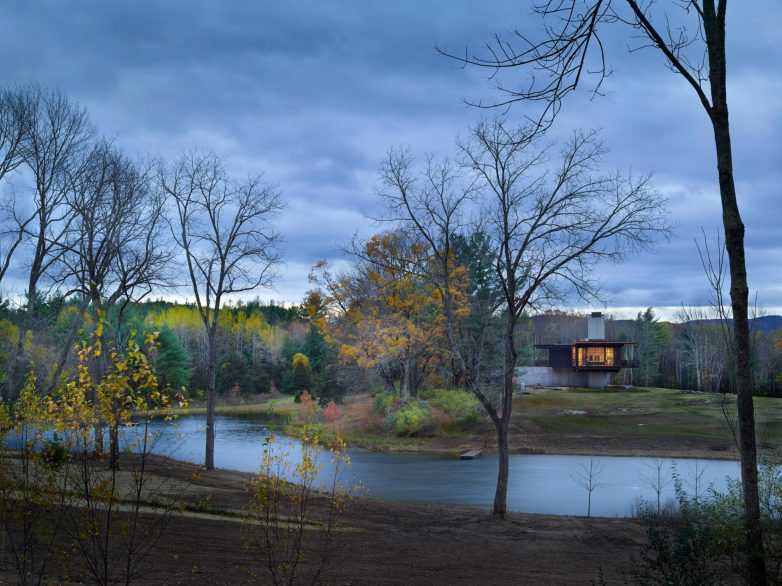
(282,406)
(646,412)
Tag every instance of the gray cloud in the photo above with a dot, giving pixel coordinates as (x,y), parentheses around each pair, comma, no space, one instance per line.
(313,94)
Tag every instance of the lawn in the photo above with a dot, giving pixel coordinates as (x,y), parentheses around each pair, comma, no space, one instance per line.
(659,415)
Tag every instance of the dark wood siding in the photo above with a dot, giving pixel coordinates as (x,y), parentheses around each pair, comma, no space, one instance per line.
(559,357)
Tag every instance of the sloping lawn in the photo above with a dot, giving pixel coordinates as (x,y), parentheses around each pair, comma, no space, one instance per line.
(645,412)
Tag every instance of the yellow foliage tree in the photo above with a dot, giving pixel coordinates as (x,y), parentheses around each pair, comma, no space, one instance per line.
(387,316)
(49,491)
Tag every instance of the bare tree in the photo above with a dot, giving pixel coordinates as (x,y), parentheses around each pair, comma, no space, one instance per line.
(14,122)
(702,348)
(57,135)
(115,250)
(657,478)
(547,229)
(586,477)
(690,37)
(224,228)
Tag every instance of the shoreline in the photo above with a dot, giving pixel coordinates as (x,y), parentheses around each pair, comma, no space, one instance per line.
(655,423)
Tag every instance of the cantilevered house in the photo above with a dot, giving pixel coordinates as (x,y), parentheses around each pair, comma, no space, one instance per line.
(588,362)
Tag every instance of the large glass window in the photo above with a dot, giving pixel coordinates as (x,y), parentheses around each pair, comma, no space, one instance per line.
(594,356)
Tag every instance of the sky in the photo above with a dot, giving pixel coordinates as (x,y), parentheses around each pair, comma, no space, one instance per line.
(313,95)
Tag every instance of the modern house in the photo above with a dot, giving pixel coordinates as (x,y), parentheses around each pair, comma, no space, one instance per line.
(588,362)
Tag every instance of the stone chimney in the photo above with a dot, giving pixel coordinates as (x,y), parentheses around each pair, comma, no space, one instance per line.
(596,326)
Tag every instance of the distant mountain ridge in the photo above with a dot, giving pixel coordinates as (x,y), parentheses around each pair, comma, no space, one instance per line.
(561,328)
(765,324)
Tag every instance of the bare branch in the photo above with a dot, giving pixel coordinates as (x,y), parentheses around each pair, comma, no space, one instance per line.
(224,228)
(570,50)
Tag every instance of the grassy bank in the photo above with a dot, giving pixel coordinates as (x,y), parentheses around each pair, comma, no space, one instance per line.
(282,406)
(645,412)
(635,421)
(641,421)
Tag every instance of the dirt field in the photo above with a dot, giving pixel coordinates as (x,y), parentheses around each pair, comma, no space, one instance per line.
(206,541)
(384,543)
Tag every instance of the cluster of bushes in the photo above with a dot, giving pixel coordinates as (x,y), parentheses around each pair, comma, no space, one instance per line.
(418,416)
(701,540)
(414,418)
(462,407)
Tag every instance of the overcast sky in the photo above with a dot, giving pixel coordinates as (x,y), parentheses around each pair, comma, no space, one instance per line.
(314,93)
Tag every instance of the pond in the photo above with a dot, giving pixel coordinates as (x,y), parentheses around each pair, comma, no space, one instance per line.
(537,483)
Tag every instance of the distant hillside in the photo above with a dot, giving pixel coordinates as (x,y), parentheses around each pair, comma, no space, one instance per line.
(563,328)
(765,324)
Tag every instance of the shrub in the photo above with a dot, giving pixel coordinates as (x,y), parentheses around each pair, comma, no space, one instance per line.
(295,526)
(683,549)
(413,419)
(701,540)
(54,453)
(462,406)
(331,412)
(384,403)
(428,394)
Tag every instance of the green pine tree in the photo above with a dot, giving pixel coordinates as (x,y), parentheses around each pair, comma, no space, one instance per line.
(649,342)
(172,364)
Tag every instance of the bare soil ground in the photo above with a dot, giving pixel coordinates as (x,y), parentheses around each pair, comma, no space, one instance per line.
(392,543)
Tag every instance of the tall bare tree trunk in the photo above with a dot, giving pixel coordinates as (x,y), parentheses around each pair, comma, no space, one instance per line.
(739,296)
(501,493)
(502,426)
(211,384)
(714,29)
